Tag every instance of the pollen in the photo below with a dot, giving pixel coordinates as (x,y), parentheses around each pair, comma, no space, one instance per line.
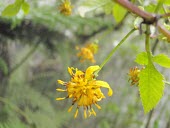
(84,90)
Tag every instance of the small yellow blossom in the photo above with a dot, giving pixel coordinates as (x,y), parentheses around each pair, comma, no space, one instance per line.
(87,52)
(65,8)
(134,75)
(84,90)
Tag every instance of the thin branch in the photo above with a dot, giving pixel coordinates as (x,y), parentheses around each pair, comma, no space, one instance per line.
(149,119)
(24,58)
(147,17)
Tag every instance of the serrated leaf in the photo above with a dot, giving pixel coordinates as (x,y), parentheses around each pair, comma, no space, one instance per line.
(151,87)
(118,12)
(142,58)
(25,7)
(11,10)
(163,60)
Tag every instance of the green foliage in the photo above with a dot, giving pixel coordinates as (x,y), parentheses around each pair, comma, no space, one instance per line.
(3,66)
(142,58)
(162,60)
(13,9)
(151,87)
(118,12)
(25,7)
(91,5)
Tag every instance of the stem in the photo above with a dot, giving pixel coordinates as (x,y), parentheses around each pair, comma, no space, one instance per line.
(24,59)
(166,82)
(148,17)
(149,119)
(147,43)
(114,49)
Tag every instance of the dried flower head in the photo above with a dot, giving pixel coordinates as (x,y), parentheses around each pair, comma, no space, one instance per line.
(84,90)
(65,8)
(134,75)
(87,52)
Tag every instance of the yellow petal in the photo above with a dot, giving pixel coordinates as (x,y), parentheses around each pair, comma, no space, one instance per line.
(60,98)
(70,70)
(60,90)
(98,106)
(75,115)
(105,85)
(85,114)
(69,110)
(61,82)
(93,112)
(90,70)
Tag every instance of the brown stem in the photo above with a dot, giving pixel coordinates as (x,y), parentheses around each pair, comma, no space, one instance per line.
(147,17)
(165,15)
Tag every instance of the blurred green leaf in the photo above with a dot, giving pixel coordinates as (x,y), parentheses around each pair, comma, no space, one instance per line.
(142,58)
(11,10)
(118,12)
(151,87)
(3,66)
(25,7)
(162,60)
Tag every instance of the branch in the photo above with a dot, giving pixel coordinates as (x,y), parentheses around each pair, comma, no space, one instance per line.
(147,17)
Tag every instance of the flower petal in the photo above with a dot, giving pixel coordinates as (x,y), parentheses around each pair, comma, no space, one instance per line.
(61,90)
(60,98)
(90,70)
(105,85)
(75,115)
(61,82)
(70,70)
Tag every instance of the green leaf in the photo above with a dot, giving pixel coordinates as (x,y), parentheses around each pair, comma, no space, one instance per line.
(162,60)
(11,10)
(25,7)
(142,58)
(118,12)
(151,87)
(3,66)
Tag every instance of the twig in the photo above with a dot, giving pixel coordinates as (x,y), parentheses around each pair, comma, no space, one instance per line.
(24,58)
(147,17)
(149,119)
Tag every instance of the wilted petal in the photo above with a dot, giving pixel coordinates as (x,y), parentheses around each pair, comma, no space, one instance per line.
(90,70)
(105,85)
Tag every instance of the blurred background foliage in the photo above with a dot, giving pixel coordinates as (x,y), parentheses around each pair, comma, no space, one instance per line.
(36,49)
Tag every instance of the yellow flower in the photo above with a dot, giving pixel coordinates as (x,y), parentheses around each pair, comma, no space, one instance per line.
(84,90)
(65,8)
(134,75)
(87,52)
